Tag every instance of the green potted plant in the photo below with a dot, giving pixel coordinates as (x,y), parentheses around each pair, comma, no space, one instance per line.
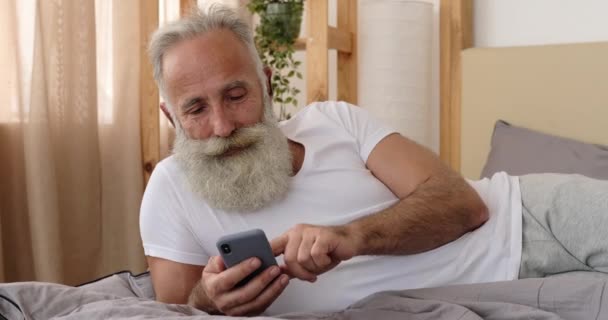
(275,37)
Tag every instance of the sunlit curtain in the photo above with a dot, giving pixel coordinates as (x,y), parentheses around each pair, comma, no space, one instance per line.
(70,156)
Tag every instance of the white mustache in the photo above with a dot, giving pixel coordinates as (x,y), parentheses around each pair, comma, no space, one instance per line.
(240,138)
(245,181)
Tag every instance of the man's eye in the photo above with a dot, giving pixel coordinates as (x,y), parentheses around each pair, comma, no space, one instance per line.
(197,110)
(237,97)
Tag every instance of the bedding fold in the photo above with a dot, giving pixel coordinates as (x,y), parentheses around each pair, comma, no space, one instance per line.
(570,296)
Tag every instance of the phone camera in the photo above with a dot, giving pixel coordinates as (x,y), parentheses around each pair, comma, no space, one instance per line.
(226,248)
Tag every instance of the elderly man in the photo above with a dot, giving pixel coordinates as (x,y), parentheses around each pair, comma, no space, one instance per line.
(352,208)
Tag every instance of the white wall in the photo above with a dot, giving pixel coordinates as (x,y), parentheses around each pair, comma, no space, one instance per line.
(533,22)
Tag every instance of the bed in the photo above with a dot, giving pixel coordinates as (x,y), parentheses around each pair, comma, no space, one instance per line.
(521,101)
(556,90)
(123,295)
(559,91)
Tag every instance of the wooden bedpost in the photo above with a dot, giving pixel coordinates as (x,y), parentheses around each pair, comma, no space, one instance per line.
(456,34)
(347,60)
(316,51)
(149,114)
(148,92)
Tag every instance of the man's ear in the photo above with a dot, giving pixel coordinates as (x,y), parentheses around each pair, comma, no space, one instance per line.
(163,107)
(268,73)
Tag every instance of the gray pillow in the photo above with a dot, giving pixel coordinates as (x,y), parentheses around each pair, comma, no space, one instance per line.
(519,151)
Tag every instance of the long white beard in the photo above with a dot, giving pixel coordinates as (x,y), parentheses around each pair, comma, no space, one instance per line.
(245,181)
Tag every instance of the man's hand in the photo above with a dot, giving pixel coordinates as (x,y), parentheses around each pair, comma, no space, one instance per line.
(312,250)
(221,294)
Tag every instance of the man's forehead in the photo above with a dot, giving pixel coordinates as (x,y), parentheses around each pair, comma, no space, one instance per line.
(217,54)
(206,50)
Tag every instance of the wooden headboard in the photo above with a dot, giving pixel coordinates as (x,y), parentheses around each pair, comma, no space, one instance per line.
(556,89)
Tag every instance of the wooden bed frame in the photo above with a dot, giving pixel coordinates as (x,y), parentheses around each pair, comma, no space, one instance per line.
(556,89)
(456,34)
(320,38)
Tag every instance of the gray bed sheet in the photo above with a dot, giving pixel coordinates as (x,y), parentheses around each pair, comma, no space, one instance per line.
(123,296)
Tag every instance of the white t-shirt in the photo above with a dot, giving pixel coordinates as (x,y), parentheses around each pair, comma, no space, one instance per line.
(334,187)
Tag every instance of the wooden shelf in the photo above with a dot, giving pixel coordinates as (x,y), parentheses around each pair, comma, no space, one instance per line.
(300,44)
(321,38)
(336,39)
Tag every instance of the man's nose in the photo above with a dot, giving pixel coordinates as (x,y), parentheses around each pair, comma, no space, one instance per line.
(222,123)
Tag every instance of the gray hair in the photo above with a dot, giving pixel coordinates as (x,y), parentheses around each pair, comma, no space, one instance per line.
(196,24)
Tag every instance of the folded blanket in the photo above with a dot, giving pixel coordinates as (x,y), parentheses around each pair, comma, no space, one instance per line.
(571,296)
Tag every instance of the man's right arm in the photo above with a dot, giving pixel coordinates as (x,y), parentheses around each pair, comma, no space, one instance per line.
(209,287)
(173,281)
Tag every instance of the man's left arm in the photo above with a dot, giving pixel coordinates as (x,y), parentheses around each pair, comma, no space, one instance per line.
(436,206)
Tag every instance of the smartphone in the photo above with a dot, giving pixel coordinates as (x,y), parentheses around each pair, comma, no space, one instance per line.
(240,246)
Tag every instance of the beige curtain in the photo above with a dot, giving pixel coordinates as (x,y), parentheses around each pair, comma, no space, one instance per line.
(70,157)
